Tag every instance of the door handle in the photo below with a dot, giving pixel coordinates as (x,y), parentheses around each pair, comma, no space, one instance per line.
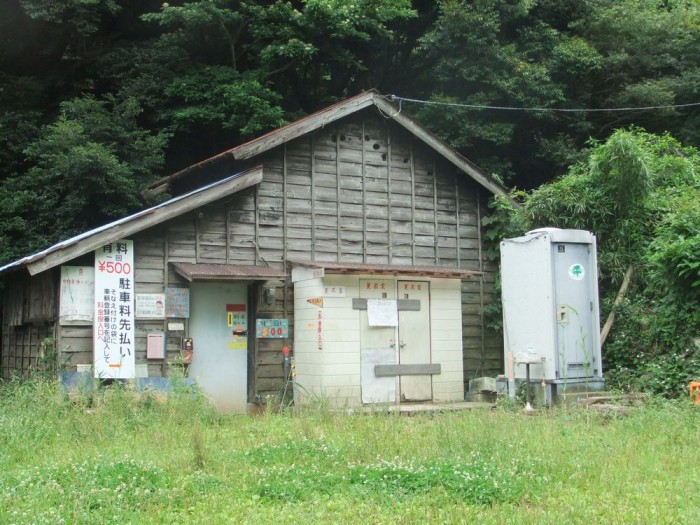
(402,344)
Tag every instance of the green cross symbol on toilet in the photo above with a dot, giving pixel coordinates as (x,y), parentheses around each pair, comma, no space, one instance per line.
(576,272)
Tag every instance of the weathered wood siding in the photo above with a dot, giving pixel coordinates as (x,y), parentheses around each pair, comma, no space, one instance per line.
(365,190)
(360,190)
(29,307)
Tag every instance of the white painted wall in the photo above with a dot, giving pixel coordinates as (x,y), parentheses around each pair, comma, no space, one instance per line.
(341,331)
(446,338)
(307,356)
(333,372)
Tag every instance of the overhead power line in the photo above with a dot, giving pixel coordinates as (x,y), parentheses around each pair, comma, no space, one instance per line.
(395,98)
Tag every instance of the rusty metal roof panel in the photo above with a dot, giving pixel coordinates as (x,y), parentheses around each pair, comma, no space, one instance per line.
(119,229)
(199,272)
(386,269)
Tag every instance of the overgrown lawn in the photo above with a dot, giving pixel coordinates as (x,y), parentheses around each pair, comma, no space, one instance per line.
(128,457)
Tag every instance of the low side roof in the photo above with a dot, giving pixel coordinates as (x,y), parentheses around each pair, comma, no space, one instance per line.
(228,272)
(85,242)
(330,114)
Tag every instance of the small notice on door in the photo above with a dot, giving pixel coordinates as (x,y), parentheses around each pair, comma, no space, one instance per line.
(382,312)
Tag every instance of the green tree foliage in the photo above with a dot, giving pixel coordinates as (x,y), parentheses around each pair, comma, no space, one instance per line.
(675,251)
(240,64)
(207,74)
(234,101)
(556,54)
(87,168)
(640,194)
(496,53)
(650,55)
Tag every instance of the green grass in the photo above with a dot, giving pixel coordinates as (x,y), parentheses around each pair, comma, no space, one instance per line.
(124,457)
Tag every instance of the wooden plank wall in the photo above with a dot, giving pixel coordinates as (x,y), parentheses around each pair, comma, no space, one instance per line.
(360,190)
(364,190)
(30,307)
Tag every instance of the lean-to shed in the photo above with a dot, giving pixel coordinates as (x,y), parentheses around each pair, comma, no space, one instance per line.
(351,237)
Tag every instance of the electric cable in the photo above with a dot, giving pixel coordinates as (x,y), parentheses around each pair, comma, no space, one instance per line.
(396,98)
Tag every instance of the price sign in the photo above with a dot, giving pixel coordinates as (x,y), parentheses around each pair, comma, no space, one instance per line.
(271,328)
(114,331)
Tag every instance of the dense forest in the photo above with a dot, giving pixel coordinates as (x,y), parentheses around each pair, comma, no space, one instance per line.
(99,97)
(591,106)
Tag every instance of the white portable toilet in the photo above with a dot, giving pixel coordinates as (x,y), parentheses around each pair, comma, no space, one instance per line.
(551,318)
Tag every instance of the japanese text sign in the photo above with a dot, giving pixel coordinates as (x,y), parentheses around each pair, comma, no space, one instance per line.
(114,331)
(177,302)
(77,295)
(382,312)
(150,306)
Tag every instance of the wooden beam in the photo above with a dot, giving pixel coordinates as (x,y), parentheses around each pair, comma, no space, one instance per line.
(197,231)
(618,299)
(459,247)
(407,370)
(228,233)
(482,320)
(303,126)
(390,250)
(339,242)
(413,205)
(166,283)
(313,198)
(85,243)
(162,184)
(436,222)
(404,305)
(364,197)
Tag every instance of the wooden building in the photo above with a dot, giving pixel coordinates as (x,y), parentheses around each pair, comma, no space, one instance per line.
(352,236)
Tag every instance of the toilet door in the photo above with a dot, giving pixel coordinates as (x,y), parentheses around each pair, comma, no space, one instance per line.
(414,340)
(378,346)
(218,327)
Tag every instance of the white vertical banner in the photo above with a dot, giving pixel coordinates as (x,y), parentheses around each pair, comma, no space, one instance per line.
(114,330)
(77,305)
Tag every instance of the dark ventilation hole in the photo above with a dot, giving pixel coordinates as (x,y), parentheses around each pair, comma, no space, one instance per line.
(367,138)
(376,146)
(430,174)
(334,138)
(343,138)
(383,156)
(405,160)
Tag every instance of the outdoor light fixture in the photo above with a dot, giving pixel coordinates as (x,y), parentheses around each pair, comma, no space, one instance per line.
(268,293)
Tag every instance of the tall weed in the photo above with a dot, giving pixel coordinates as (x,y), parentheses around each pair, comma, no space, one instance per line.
(128,456)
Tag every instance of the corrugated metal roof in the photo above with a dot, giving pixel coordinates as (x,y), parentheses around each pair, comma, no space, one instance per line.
(198,272)
(386,269)
(192,196)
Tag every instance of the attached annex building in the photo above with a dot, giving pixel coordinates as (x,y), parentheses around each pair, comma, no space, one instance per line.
(351,236)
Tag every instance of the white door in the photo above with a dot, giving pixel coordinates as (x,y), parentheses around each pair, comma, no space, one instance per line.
(414,340)
(377,345)
(575,323)
(219,329)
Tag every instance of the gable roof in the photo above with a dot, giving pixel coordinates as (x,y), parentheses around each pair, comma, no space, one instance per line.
(331,114)
(86,242)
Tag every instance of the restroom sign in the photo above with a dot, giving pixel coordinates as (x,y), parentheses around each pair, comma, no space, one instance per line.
(334,291)
(576,272)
